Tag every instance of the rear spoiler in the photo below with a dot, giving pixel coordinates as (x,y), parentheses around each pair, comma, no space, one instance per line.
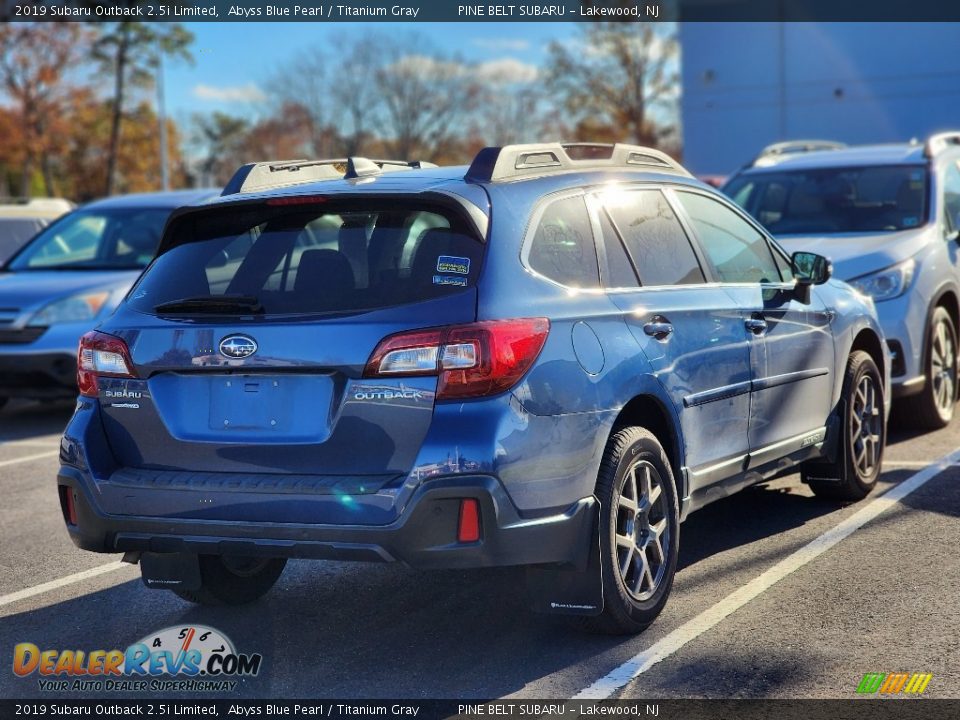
(254,177)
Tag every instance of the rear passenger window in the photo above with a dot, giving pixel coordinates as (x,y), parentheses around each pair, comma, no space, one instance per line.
(737,251)
(647,225)
(617,270)
(563,248)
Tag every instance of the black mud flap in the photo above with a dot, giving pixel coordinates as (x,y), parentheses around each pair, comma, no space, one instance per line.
(835,450)
(575,589)
(170,571)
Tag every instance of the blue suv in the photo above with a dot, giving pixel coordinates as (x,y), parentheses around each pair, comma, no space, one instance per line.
(461,367)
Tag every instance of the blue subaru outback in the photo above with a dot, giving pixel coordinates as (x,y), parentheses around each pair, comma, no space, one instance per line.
(548,358)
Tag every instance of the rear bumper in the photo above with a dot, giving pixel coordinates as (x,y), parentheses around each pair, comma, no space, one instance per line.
(38,375)
(423,536)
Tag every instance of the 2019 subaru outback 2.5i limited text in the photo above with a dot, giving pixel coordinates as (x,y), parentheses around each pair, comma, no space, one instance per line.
(462,367)
(888,217)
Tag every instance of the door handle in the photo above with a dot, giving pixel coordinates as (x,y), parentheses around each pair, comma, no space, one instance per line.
(658,329)
(756,325)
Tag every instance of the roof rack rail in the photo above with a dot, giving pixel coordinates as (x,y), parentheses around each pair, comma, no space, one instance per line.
(939,142)
(511,162)
(254,177)
(792,147)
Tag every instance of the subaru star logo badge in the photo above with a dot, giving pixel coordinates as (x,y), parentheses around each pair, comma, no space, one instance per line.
(237,347)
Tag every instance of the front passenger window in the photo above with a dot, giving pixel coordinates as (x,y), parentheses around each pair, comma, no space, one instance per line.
(737,251)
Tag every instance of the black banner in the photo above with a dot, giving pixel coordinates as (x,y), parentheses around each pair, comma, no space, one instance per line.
(336,11)
(865,709)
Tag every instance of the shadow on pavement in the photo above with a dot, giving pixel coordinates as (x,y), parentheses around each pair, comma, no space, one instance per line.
(22,420)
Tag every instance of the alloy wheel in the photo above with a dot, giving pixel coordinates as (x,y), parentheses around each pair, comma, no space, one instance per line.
(642,531)
(866,427)
(943,368)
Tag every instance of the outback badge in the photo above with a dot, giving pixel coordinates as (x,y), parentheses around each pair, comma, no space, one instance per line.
(237,347)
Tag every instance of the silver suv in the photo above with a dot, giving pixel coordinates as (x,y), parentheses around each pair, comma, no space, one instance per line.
(888,216)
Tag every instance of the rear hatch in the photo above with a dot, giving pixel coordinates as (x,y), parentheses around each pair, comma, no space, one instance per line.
(249,336)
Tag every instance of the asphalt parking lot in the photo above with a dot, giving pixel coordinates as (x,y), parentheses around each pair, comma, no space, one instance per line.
(883,598)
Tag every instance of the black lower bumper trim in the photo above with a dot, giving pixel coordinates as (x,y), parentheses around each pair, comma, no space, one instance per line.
(424,536)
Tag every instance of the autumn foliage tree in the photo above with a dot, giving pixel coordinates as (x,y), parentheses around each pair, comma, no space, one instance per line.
(34,61)
(616,78)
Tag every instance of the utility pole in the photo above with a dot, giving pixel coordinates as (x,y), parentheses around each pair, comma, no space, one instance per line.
(162,115)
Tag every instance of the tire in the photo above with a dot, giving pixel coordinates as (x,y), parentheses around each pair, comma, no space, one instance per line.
(934,407)
(864,426)
(233,580)
(634,465)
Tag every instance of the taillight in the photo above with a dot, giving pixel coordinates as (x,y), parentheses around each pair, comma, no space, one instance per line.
(101,355)
(475,360)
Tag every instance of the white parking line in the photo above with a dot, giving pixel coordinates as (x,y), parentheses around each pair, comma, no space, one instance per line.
(906,464)
(35,442)
(28,458)
(62,582)
(709,618)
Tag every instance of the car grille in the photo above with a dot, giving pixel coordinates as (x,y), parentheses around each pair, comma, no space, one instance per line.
(21,336)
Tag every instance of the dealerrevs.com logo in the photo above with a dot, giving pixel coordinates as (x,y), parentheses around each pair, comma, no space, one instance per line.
(179,658)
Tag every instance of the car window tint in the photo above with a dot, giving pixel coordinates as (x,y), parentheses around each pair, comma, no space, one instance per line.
(372,255)
(660,249)
(96,240)
(563,248)
(737,251)
(618,270)
(951,197)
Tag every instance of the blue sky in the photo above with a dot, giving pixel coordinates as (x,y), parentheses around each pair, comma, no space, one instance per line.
(235,60)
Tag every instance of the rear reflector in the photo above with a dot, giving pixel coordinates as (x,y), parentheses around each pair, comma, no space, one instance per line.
(67,505)
(468,529)
(475,360)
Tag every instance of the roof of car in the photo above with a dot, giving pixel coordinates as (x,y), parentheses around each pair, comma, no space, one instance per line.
(892,154)
(452,178)
(171,199)
(30,208)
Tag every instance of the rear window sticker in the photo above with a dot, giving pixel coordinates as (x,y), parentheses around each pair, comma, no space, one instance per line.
(449,280)
(453,264)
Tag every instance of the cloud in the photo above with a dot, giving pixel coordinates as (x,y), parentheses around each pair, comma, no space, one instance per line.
(235,93)
(501,44)
(506,71)
(424,66)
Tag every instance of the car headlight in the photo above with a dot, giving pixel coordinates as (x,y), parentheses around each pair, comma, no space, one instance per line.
(75,308)
(886,284)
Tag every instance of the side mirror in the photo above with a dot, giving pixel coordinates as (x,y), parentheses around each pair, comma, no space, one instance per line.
(809,269)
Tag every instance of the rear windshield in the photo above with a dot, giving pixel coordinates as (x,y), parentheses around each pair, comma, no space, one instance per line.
(294,260)
(834,200)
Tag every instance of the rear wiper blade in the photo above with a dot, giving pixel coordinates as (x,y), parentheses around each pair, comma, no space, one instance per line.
(244,304)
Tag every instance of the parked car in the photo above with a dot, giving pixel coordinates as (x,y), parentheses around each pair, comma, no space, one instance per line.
(888,217)
(22,218)
(481,366)
(72,274)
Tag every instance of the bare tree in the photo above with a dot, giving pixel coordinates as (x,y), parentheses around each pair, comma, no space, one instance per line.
(424,97)
(223,138)
(355,92)
(621,73)
(307,82)
(34,58)
(510,102)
